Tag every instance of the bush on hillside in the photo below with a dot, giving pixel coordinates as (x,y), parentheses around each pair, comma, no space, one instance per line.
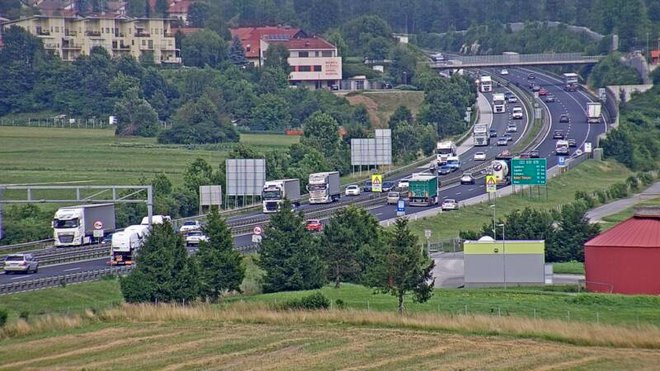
(3,316)
(314,301)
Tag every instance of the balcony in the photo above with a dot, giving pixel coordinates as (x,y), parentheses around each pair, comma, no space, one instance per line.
(142,34)
(71,46)
(93,33)
(121,47)
(68,33)
(172,60)
(51,46)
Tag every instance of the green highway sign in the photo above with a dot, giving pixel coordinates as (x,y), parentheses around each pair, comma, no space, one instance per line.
(528,171)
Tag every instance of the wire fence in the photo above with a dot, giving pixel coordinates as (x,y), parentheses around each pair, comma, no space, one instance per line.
(63,123)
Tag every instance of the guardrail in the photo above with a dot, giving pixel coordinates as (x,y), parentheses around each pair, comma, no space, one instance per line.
(33,245)
(62,280)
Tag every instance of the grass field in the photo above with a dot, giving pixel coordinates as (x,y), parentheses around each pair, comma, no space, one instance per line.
(589,177)
(571,267)
(246,337)
(50,155)
(381,104)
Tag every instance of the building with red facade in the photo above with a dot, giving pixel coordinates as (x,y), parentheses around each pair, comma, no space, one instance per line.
(626,258)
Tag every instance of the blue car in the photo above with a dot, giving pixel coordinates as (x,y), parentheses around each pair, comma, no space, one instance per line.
(388,186)
(444,170)
(367,186)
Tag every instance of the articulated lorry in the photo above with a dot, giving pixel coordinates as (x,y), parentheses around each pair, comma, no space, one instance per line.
(423,190)
(499,103)
(443,150)
(126,243)
(276,191)
(593,112)
(323,187)
(75,225)
(481,135)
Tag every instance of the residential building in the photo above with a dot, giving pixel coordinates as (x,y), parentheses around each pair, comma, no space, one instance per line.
(179,9)
(251,39)
(71,37)
(625,258)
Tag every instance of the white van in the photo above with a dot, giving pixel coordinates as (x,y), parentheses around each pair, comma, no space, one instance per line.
(517,113)
(156,219)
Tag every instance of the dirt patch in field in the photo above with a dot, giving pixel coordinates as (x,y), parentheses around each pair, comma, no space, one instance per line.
(372,108)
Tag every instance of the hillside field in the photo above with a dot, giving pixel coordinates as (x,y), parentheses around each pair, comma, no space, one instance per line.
(381,104)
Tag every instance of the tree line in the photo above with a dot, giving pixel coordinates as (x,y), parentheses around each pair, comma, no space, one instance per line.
(353,248)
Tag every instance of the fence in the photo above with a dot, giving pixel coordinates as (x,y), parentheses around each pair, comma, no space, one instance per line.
(63,280)
(73,123)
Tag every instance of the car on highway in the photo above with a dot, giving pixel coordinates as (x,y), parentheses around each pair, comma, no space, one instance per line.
(352,190)
(449,204)
(511,128)
(508,95)
(22,263)
(504,71)
(194,238)
(531,76)
(492,133)
(502,141)
(107,240)
(190,225)
(571,142)
(479,156)
(536,88)
(504,155)
(403,183)
(558,134)
(543,92)
(314,225)
(393,197)
(508,137)
(564,118)
(517,113)
(513,99)
(524,155)
(467,178)
(388,186)
(437,57)
(444,170)
(550,99)
(367,186)
(534,153)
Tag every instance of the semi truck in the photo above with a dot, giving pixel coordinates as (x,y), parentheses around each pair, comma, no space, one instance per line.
(593,112)
(276,191)
(443,150)
(75,225)
(423,190)
(499,103)
(126,243)
(485,84)
(480,134)
(323,188)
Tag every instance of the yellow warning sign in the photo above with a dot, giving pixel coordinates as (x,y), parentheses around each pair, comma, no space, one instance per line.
(491,184)
(376,183)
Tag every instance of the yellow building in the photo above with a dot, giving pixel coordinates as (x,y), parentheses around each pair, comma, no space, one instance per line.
(71,37)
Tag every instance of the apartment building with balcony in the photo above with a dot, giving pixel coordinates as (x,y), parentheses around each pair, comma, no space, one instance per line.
(71,37)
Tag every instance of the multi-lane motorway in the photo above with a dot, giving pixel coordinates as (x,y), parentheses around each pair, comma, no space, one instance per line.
(573,103)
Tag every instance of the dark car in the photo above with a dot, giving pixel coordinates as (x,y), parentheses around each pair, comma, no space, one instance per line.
(107,240)
(444,170)
(492,133)
(508,137)
(534,153)
(388,186)
(334,87)
(367,186)
(564,118)
(572,142)
(531,76)
(550,99)
(558,134)
(387,86)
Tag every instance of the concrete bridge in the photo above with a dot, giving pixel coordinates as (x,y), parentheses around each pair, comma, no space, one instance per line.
(514,60)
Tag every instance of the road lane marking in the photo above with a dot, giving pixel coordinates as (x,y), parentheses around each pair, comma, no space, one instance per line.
(72,269)
(19,278)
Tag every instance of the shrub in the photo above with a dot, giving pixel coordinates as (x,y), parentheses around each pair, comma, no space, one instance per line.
(633,183)
(3,316)
(587,198)
(310,302)
(24,315)
(340,304)
(602,196)
(645,178)
(618,190)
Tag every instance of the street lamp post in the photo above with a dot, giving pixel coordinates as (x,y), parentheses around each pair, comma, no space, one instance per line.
(494,231)
(503,254)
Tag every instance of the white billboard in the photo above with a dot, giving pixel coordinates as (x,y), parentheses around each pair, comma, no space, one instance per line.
(373,151)
(245,177)
(210,195)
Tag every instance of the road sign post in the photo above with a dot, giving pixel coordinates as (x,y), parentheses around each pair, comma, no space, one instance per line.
(491,184)
(528,171)
(376,183)
(256,234)
(401,208)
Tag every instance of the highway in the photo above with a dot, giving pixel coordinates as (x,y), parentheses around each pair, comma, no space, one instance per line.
(573,103)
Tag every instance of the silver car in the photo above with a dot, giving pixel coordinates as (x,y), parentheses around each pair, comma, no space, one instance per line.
(393,198)
(24,263)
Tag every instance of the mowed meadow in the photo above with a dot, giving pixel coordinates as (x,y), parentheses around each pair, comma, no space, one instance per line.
(245,336)
(96,156)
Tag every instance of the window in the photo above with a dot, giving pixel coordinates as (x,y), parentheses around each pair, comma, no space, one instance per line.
(317,68)
(57,29)
(304,68)
(107,30)
(303,54)
(326,53)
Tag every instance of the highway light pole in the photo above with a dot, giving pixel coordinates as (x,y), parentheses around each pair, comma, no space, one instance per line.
(503,254)
(494,231)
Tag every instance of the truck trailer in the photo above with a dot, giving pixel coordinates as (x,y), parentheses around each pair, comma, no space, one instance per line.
(481,135)
(443,150)
(75,225)
(423,190)
(126,243)
(276,191)
(324,187)
(593,112)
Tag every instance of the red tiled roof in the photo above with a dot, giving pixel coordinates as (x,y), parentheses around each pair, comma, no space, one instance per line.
(250,36)
(634,232)
(180,6)
(306,43)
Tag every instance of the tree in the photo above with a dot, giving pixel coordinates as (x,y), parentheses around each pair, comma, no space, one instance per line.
(198,173)
(348,240)
(573,231)
(163,272)
(618,145)
(137,8)
(199,121)
(271,113)
(203,48)
(404,64)
(221,266)
(198,13)
(135,116)
(401,114)
(237,52)
(403,267)
(277,56)
(361,116)
(321,131)
(289,254)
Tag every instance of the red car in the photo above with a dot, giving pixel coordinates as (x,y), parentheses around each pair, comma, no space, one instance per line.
(543,92)
(314,225)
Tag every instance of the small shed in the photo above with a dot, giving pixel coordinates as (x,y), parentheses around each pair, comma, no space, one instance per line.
(504,263)
(626,258)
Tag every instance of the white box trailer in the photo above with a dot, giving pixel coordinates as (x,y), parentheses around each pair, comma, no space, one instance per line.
(276,191)
(593,112)
(75,225)
(324,187)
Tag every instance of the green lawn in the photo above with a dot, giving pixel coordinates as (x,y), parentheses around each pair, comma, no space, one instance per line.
(589,176)
(572,267)
(96,156)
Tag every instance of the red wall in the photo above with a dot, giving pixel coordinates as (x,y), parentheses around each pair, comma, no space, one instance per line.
(627,270)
